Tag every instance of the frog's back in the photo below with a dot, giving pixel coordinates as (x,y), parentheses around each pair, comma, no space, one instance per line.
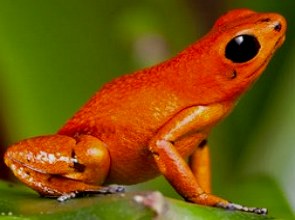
(126,114)
(142,100)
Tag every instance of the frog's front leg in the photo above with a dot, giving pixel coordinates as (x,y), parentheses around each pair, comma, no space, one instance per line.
(190,185)
(58,165)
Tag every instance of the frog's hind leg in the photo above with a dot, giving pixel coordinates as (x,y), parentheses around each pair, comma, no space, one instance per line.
(200,165)
(58,165)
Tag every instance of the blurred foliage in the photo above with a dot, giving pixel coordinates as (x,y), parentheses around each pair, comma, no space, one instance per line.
(55,54)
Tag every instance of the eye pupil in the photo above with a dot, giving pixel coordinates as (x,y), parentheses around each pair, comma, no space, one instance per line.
(242,48)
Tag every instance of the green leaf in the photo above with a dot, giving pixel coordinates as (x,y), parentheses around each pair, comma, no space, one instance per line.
(19,202)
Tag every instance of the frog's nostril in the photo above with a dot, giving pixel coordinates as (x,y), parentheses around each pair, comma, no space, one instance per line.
(265,20)
(278,27)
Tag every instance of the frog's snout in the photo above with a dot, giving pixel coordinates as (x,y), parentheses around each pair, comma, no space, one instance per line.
(276,21)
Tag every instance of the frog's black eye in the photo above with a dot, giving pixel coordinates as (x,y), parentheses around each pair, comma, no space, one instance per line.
(242,48)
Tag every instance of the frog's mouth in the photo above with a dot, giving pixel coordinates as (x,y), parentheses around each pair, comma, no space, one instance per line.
(278,44)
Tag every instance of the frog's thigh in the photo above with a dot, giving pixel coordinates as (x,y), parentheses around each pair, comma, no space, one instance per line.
(57,164)
(91,160)
(199,163)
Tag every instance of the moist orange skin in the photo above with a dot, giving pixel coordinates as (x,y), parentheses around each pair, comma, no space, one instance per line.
(146,123)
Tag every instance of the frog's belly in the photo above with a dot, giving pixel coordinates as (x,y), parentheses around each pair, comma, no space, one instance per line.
(132,164)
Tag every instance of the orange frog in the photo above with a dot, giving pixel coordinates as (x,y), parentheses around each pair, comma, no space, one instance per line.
(147,123)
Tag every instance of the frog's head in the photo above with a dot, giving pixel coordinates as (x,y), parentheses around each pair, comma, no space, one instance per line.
(235,53)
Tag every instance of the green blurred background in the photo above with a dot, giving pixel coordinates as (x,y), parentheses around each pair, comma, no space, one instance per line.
(55,54)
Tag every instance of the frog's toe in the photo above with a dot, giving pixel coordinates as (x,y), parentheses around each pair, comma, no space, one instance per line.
(112,189)
(101,190)
(233,206)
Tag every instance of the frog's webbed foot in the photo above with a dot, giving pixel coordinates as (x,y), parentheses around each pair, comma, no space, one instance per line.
(233,206)
(100,191)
